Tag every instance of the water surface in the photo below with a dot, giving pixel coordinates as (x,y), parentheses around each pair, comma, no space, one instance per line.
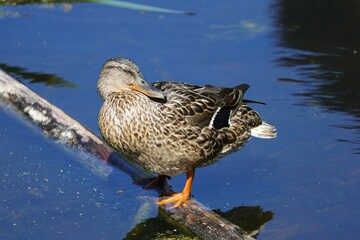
(300,57)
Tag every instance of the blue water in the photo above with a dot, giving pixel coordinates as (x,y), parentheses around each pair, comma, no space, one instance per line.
(308,176)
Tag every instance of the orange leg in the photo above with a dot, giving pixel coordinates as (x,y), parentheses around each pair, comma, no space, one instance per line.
(179,198)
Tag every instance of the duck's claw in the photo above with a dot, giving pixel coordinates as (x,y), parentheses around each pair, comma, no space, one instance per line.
(179,198)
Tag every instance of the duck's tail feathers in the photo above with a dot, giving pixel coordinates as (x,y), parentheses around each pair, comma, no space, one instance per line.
(253,101)
(264,130)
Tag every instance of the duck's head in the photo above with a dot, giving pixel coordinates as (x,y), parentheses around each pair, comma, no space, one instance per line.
(122,74)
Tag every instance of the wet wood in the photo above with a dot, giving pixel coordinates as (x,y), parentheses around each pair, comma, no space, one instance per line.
(64,129)
(205,223)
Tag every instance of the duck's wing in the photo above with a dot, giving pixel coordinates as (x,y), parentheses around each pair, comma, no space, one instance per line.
(203,106)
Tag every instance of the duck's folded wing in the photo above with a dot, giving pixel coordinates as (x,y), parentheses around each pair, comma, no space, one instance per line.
(203,106)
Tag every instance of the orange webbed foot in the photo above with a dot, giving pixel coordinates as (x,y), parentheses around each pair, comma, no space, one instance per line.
(182,197)
(179,198)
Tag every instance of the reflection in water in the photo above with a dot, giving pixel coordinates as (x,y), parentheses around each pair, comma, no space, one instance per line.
(243,29)
(67,6)
(251,219)
(47,79)
(23,2)
(326,39)
(160,227)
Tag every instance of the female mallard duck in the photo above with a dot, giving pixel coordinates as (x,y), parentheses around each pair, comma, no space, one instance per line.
(171,128)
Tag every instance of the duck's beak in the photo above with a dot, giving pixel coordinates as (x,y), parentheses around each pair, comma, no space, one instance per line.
(142,86)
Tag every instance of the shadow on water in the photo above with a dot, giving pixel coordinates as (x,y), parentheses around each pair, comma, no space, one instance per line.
(34,77)
(323,40)
(249,218)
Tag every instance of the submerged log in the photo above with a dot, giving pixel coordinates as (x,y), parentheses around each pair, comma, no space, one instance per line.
(61,127)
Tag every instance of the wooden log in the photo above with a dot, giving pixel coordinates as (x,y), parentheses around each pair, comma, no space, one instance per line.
(58,125)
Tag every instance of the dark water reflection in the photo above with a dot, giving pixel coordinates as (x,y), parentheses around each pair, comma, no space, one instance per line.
(326,37)
(23,74)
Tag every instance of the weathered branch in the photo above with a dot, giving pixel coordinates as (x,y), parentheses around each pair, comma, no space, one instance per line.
(58,125)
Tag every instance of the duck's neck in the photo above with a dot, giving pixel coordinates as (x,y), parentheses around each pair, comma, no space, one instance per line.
(133,100)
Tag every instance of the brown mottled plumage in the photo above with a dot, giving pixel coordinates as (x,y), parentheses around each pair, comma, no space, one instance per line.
(171,128)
